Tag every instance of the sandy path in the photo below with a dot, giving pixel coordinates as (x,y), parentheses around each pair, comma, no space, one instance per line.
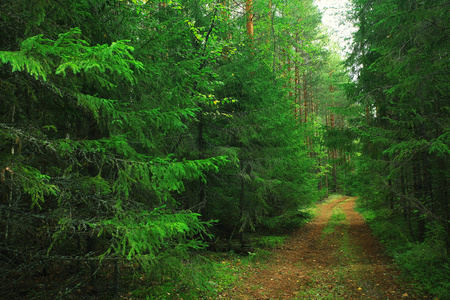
(346,262)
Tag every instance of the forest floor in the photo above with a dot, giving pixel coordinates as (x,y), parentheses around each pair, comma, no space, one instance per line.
(335,256)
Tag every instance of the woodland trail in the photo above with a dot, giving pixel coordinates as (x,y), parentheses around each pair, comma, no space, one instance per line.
(335,256)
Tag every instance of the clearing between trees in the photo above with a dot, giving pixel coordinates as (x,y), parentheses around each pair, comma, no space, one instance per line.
(333,257)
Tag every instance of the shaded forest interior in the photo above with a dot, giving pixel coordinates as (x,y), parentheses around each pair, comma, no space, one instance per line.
(136,136)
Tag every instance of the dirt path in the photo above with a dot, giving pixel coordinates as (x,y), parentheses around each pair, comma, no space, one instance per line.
(333,257)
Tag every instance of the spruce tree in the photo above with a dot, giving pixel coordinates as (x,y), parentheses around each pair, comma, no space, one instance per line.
(400,58)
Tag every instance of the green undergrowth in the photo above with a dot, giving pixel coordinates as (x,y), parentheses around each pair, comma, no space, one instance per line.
(203,278)
(189,278)
(230,268)
(426,262)
(209,275)
(288,221)
(269,242)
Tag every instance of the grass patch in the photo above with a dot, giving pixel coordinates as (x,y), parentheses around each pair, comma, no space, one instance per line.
(332,197)
(320,289)
(230,268)
(337,218)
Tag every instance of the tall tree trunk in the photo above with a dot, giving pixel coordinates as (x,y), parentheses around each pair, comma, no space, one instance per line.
(290,84)
(9,232)
(116,277)
(326,175)
(242,206)
(202,192)
(418,194)
(444,189)
(297,86)
(406,199)
(305,96)
(249,13)
(91,247)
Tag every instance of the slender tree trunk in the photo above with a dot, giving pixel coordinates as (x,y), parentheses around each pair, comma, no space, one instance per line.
(249,13)
(444,188)
(116,277)
(326,174)
(242,205)
(297,86)
(406,199)
(418,194)
(91,246)
(305,96)
(225,49)
(291,84)
(10,197)
(289,70)
(202,191)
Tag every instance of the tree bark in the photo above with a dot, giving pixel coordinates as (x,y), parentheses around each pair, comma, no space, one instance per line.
(249,13)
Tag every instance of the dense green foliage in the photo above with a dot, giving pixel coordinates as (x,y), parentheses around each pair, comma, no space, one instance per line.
(133,130)
(87,174)
(402,126)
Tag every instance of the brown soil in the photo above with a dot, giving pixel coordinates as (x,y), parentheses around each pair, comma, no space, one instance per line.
(344,263)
